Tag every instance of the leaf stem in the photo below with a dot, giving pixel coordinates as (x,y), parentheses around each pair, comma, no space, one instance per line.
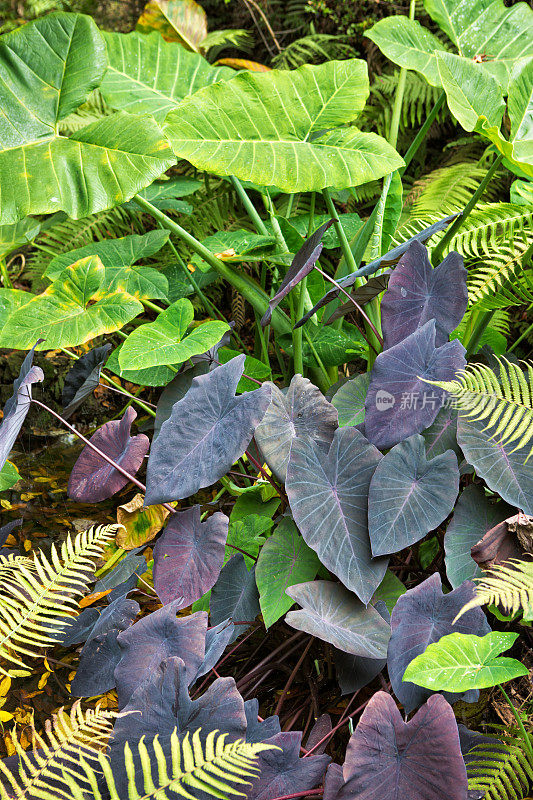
(516,715)
(6,280)
(421,135)
(249,206)
(345,246)
(298,333)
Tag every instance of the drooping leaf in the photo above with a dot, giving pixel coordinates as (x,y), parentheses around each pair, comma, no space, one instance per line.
(242,63)
(409,496)
(388,758)
(18,405)
(182,21)
(333,781)
(328,495)
(442,433)
(9,475)
(217,639)
(355,672)
(422,616)
(349,400)
(407,43)
(139,524)
(287,773)
(504,471)
(270,138)
(235,595)
(332,613)
(83,378)
(461,661)
(471,92)
(92,478)
(473,517)
(14,236)
(388,211)
(154,638)
(72,310)
(206,432)
(300,411)
(362,295)
(284,559)
(188,556)
(398,403)
(119,576)
(322,727)
(256,730)
(417,293)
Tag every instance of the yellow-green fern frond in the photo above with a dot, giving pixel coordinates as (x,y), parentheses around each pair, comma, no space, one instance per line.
(509,585)
(68,738)
(211,768)
(503,279)
(503,769)
(446,189)
(505,401)
(38,594)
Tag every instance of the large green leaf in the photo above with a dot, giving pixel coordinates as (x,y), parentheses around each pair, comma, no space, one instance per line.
(147,75)
(74,309)
(471,92)
(153,376)
(269,128)
(407,43)
(235,246)
(13,236)
(48,67)
(10,300)
(164,341)
(461,661)
(182,21)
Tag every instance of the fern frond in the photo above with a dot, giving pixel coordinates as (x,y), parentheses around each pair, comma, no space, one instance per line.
(505,401)
(503,770)
(314,49)
(37,598)
(93,109)
(68,739)
(419,97)
(489,225)
(446,190)
(501,281)
(509,585)
(211,767)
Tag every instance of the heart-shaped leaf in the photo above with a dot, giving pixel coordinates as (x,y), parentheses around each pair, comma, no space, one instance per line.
(461,661)
(417,293)
(276,141)
(14,236)
(333,614)
(73,310)
(399,403)
(18,405)
(471,92)
(235,247)
(473,517)
(284,559)
(328,495)
(139,523)
(301,411)
(408,43)
(349,400)
(355,672)
(442,433)
(286,773)
(235,595)
(503,470)
(164,341)
(188,556)
(409,496)
(182,21)
(92,478)
(420,617)
(389,759)
(206,432)
(83,378)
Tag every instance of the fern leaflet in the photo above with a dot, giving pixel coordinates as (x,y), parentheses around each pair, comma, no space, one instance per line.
(509,585)
(503,769)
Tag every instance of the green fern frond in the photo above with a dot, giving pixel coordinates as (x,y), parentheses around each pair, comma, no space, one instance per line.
(489,225)
(446,190)
(503,770)
(493,333)
(419,99)
(501,281)
(37,598)
(210,768)
(313,49)
(509,585)
(68,739)
(93,109)
(505,401)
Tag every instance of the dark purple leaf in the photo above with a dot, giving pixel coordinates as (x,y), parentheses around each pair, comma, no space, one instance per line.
(259,731)
(175,391)
(18,405)
(333,782)
(78,629)
(420,617)
(121,576)
(355,672)
(92,478)
(499,544)
(285,772)
(207,431)
(152,639)
(235,595)
(328,495)
(418,293)
(189,555)
(7,530)
(362,295)
(399,403)
(216,641)
(302,264)
(389,759)
(409,496)
(83,378)
(319,731)
(300,411)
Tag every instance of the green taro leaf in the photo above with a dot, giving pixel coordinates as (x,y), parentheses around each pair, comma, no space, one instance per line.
(284,560)
(247,535)
(164,341)
(269,128)
(349,400)
(147,75)
(235,246)
(459,662)
(10,301)
(182,21)
(153,376)
(471,92)
(9,475)
(73,310)
(407,43)
(389,590)
(13,236)
(350,223)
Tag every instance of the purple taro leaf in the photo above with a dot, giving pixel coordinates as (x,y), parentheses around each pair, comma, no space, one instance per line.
(83,379)
(7,529)
(332,613)
(216,641)
(206,432)
(355,672)
(121,578)
(442,434)
(389,759)
(161,704)
(92,478)
(18,405)
(175,391)
(399,403)
(235,594)
(155,637)
(302,264)
(322,727)
(328,495)
(420,617)
(418,293)
(333,782)
(259,731)
(301,411)
(189,555)
(285,772)
(409,496)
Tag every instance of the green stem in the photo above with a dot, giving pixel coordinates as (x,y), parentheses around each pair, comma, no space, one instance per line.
(345,245)
(421,135)
(297,334)
(480,323)
(454,227)
(6,280)
(153,306)
(522,337)
(289,206)
(516,715)
(249,206)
